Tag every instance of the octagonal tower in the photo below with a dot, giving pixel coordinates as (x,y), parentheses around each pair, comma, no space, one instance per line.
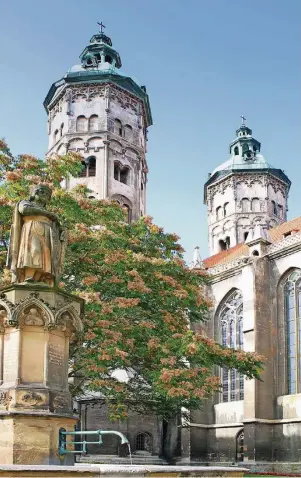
(103,114)
(243,192)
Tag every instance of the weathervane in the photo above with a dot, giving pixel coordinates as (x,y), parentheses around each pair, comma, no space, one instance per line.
(243,119)
(101,26)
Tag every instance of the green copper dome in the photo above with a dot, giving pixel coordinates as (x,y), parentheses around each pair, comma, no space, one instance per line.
(100,63)
(245,156)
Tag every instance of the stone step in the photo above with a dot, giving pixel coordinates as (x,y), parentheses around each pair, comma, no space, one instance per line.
(118,460)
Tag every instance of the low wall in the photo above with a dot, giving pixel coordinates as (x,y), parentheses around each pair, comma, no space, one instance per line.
(96,471)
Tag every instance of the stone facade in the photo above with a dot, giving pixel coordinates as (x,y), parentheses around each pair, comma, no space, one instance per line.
(143,431)
(100,113)
(266,424)
(254,288)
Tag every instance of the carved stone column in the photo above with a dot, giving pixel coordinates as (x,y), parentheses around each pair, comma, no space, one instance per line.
(37,324)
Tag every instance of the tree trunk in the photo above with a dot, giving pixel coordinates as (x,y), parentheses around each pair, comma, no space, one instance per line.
(171,437)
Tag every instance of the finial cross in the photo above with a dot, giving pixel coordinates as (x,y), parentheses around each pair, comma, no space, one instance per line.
(101,26)
(243,119)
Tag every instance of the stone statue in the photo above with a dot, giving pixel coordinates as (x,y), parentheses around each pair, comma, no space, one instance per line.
(37,241)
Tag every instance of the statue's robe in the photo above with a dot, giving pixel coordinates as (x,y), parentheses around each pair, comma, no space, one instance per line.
(34,243)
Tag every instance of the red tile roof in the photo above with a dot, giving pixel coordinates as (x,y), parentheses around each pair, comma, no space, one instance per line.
(276,234)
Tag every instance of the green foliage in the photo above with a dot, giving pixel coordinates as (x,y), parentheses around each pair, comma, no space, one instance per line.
(141,300)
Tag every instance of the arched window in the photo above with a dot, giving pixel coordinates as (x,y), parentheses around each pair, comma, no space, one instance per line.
(128,212)
(274,208)
(61,129)
(246,233)
(83,173)
(91,166)
(121,174)
(128,132)
(236,151)
(93,123)
(118,127)
(226,209)
(240,443)
(108,59)
(125,175)
(224,245)
(245,205)
(81,123)
(231,320)
(56,135)
(219,214)
(292,305)
(143,442)
(255,205)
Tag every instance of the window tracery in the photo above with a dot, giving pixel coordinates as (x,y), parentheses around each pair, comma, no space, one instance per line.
(292,305)
(231,320)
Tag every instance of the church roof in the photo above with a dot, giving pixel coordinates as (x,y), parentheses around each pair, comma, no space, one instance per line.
(276,234)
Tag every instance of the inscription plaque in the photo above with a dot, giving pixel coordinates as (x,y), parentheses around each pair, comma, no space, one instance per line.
(56,361)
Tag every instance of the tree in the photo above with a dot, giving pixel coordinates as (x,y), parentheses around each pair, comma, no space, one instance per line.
(142,301)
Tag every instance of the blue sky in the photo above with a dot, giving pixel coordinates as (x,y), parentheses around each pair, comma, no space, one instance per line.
(204,62)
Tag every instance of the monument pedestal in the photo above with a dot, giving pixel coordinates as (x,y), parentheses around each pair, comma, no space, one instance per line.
(36,326)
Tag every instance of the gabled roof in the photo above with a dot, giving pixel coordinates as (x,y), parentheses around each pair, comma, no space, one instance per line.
(276,234)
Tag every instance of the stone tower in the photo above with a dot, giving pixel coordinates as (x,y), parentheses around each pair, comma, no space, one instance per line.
(243,192)
(103,114)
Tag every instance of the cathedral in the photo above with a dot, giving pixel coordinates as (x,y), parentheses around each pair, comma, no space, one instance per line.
(254,268)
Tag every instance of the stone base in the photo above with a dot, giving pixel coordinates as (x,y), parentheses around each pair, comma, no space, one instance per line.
(30,439)
(95,471)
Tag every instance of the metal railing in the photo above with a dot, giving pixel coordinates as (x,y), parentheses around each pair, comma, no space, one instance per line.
(63,439)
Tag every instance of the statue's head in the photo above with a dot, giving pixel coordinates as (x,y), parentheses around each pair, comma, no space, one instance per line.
(41,193)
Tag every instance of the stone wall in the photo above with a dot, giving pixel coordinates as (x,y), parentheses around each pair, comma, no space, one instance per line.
(94,416)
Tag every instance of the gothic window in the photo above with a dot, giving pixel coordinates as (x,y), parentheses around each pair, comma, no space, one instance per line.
(274,208)
(118,127)
(128,132)
(93,123)
(61,129)
(219,214)
(236,151)
(292,304)
(226,209)
(231,320)
(255,205)
(81,123)
(143,442)
(56,135)
(245,205)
